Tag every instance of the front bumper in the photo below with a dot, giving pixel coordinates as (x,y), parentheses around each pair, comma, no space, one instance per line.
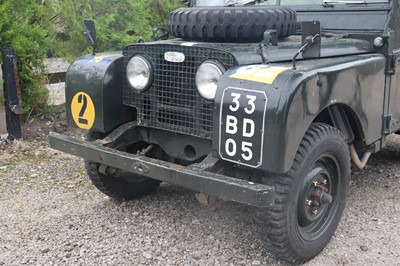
(194,177)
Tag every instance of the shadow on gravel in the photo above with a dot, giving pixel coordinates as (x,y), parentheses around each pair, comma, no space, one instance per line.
(172,214)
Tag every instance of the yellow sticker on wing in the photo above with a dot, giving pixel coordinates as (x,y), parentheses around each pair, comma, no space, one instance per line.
(83,111)
(98,59)
(259,73)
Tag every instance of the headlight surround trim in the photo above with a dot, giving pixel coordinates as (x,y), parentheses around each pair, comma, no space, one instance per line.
(209,90)
(148,75)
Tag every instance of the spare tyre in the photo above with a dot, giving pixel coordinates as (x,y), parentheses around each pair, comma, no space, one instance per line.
(234,24)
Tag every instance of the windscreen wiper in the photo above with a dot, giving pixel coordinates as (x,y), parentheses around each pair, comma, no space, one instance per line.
(328,3)
(242,2)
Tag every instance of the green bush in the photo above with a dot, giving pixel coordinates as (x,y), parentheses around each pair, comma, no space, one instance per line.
(24,27)
(36,27)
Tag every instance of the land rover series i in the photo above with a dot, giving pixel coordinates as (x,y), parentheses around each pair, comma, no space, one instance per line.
(266,103)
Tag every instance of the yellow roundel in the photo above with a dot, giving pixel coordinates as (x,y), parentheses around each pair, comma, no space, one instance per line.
(82,109)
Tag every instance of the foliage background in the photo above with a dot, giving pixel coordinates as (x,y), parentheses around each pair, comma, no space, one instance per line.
(40,28)
(23,28)
(118,22)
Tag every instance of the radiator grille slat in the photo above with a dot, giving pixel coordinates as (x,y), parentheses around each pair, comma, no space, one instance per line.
(173,103)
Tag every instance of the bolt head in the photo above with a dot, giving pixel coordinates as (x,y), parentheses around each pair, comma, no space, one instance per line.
(379,42)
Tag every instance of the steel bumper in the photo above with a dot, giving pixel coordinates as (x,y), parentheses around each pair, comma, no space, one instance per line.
(194,177)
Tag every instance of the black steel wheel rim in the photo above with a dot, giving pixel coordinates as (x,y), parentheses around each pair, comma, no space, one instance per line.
(314,212)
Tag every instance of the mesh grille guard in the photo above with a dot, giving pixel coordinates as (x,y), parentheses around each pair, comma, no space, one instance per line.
(173,102)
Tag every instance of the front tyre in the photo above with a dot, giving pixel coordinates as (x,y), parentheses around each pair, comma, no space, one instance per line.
(125,186)
(310,198)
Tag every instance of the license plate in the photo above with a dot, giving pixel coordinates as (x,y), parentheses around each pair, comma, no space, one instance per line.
(241,129)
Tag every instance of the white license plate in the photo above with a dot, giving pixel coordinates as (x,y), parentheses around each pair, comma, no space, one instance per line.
(241,129)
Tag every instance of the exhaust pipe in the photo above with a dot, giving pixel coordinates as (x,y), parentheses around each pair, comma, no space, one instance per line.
(359,164)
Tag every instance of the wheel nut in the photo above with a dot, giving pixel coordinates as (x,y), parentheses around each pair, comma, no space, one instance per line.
(314,211)
(315,183)
(325,182)
(308,202)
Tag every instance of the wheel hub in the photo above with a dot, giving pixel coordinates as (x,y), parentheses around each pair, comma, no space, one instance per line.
(315,197)
(318,198)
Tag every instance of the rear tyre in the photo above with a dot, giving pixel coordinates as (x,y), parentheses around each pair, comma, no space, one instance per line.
(310,198)
(126,186)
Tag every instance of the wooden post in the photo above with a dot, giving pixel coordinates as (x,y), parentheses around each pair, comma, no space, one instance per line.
(3,124)
(13,102)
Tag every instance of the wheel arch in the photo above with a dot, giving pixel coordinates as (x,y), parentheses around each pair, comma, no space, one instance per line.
(339,116)
(355,84)
(348,114)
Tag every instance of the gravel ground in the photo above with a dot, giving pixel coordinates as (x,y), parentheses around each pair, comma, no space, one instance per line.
(52,215)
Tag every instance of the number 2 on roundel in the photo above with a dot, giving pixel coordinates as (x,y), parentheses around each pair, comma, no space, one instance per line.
(83,111)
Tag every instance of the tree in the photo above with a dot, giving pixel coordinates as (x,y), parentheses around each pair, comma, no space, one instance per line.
(118,22)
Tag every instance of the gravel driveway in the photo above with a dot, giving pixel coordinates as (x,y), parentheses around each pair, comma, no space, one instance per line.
(52,215)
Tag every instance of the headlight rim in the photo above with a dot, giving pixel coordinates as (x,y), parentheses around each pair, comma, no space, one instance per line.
(147,61)
(219,66)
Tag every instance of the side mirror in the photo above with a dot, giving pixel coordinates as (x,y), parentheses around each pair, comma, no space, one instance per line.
(189,3)
(160,34)
(311,40)
(90,32)
(308,30)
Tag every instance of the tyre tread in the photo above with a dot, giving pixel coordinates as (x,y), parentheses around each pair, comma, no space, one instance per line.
(272,221)
(231,24)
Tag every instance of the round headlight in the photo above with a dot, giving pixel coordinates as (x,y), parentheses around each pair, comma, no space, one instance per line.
(207,78)
(139,72)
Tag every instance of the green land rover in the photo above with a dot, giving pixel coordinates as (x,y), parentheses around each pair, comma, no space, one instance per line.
(266,103)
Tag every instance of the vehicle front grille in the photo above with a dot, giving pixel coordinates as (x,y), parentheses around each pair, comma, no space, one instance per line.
(173,102)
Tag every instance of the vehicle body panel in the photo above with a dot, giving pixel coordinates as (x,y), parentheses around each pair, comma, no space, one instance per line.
(100,77)
(296,97)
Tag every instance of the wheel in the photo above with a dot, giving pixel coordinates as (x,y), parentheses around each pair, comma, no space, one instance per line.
(236,24)
(310,198)
(125,186)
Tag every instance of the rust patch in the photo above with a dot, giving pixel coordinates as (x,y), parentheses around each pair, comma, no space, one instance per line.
(175,166)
